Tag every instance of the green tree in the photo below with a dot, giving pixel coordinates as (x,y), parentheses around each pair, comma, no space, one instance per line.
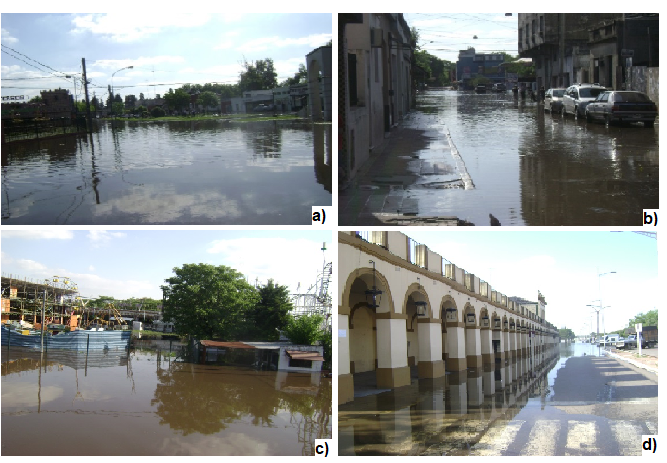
(178,99)
(157,112)
(35,99)
(566,333)
(118,107)
(206,302)
(649,318)
(260,75)
(207,99)
(300,77)
(270,314)
(304,329)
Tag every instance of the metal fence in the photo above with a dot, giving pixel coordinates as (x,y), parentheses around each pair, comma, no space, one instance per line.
(35,130)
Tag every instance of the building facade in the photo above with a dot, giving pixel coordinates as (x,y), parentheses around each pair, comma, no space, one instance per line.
(374,84)
(471,65)
(403,305)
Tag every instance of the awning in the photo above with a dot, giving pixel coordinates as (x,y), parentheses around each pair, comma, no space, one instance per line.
(230,344)
(305,355)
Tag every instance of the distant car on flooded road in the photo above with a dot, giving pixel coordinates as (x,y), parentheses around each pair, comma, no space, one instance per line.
(622,107)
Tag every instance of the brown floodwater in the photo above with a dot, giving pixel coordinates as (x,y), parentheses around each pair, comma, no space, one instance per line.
(150,403)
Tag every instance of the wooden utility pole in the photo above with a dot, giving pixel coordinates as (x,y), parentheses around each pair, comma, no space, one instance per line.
(89,122)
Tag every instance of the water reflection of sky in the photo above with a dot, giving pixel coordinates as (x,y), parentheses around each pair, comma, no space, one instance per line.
(208,172)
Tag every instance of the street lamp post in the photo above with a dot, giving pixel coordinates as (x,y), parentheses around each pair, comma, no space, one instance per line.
(600,275)
(112,96)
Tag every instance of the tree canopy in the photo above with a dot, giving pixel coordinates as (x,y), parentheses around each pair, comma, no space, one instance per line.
(258,75)
(206,302)
(178,99)
(566,333)
(305,329)
(649,318)
(270,314)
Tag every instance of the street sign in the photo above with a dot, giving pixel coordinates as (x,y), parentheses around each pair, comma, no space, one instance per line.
(638,327)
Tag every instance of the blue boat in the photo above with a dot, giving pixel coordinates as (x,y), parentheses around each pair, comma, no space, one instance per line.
(79,340)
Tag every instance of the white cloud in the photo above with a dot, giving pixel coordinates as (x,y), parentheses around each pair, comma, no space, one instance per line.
(103,237)
(7,37)
(266,43)
(54,234)
(91,268)
(138,62)
(121,27)
(288,262)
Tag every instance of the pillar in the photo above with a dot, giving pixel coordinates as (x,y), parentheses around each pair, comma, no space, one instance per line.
(456,348)
(487,346)
(392,348)
(430,363)
(345,380)
(473,346)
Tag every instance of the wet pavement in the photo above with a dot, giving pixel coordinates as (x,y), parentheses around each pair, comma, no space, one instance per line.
(574,403)
(462,158)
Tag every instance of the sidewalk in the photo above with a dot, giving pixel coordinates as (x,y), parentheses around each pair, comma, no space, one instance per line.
(393,186)
(645,361)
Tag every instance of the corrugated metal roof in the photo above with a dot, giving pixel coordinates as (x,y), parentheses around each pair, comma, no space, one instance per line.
(230,344)
(304,355)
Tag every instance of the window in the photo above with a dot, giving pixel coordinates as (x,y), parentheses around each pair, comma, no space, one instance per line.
(300,363)
(352,78)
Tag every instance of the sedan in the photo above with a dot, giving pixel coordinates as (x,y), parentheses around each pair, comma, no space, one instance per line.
(553,100)
(626,106)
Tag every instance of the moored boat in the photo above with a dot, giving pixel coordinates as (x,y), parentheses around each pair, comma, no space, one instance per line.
(72,340)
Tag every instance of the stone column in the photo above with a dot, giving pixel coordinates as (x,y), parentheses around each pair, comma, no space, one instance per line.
(430,363)
(512,338)
(456,348)
(473,346)
(498,336)
(392,350)
(345,380)
(487,346)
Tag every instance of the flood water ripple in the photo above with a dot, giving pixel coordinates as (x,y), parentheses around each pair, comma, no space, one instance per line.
(151,172)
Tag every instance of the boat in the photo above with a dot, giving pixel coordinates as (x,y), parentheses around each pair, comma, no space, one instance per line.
(72,340)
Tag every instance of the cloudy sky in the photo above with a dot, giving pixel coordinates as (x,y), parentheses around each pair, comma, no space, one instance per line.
(444,34)
(564,266)
(128,264)
(166,47)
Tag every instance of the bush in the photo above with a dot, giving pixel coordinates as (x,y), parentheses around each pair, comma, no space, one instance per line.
(158,112)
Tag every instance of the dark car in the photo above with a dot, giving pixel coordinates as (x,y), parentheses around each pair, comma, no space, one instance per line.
(499,88)
(553,100)
(625,106)
(480,89)
(261,108)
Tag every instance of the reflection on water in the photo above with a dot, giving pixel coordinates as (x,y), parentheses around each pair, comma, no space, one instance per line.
(532,168)
(460,414)
(148,403)
(199,172)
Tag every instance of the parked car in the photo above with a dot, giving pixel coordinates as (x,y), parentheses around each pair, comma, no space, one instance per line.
(609,340)
(626,106)
(631,342)
(553,100)
(578,96)
(499,87)
(480,89)
(262,108)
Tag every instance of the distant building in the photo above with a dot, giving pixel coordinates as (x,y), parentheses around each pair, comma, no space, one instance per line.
(374,84)
(318,63)
(471,65)
(57,103)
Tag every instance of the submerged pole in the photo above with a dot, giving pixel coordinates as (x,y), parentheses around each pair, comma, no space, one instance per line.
(41,347)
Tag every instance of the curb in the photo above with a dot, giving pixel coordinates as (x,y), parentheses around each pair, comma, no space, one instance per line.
(632,362)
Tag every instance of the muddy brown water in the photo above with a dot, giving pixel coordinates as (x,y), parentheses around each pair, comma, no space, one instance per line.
(148,403)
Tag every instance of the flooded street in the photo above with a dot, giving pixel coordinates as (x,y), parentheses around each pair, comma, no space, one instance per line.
(152,172)
(149,404)
(575,402)
(467,156)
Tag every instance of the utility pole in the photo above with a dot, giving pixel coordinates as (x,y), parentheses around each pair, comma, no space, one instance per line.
(85,86)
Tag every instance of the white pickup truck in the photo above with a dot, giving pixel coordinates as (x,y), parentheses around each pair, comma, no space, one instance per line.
(613,340)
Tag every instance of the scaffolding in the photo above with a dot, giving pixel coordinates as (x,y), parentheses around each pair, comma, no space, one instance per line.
(24,299)
(317,300)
